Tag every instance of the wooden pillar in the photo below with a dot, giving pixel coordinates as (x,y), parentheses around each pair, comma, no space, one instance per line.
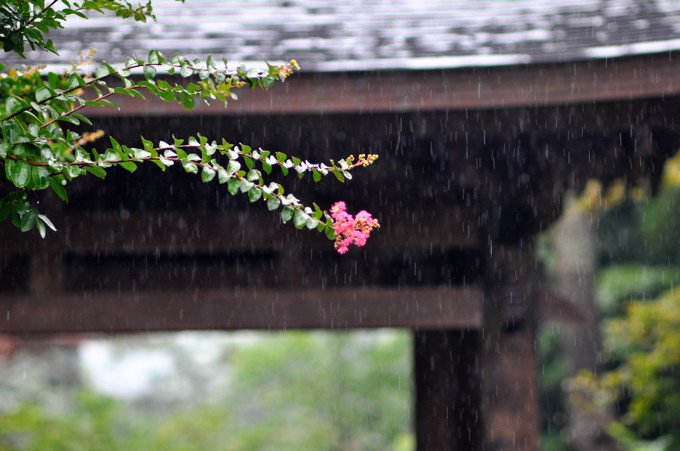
(508,360)
(447,395)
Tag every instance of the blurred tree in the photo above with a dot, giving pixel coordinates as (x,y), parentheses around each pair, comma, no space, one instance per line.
(645,384)
(277,395)
(639,246)
(336,391)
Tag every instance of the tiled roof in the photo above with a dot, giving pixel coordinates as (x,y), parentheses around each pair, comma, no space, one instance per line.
(337,35)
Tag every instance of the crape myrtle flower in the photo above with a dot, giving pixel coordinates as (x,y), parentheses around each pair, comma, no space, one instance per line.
(350,229)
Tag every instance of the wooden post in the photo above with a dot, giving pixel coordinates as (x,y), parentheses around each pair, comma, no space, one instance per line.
(447,396)
(508,362)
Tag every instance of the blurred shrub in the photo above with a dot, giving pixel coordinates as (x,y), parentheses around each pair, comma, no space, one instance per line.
(617,285)
(551,373)
(645,386)
(292,391)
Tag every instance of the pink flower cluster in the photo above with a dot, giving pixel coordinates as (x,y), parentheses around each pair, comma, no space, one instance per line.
(349,229)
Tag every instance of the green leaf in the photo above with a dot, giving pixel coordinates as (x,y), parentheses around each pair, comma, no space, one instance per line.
(222,175)
(81,118)
(96,171)
(267,82)
(311,223)
(109,103)
(233,186)
(186,71)
(188,102)
(28,220)
(137,94)
(318,212)
(69,119)
(154,57)
(249,162)
(41,221)
(129,166)
(210,148)
(149,72)
(24,150)
(190,167)
(40,176)
(140,154)
(233,166)
(73,171)
(207,174)
(339,176)
(167,96)
(42,94)
(14,105)
(75,81)
(58,188)
(329,230)
(150,85)
(100,72)
(273,203)
(41,228)
(119,90)
(253,175)
(246,186)
(300,219)
(287,213)
(110,68)
(47,222)
(254,194)
(20,173)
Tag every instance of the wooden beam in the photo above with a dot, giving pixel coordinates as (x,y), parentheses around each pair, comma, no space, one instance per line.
(234,231)
(242,308)
(404,91)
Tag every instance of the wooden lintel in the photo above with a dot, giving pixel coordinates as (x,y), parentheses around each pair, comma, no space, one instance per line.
(234,231)
(245,308)
(467,88)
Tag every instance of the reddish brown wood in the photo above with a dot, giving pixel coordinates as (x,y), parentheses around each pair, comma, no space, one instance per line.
(246,308)
(468,88)
(164,231)
(508,362)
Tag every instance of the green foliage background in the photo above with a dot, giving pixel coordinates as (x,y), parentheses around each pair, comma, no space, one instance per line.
(639,255)
(292,391)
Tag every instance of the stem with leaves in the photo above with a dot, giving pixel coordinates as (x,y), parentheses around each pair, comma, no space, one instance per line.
(39,151)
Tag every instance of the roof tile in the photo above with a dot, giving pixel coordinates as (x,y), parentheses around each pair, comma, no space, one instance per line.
(396,34)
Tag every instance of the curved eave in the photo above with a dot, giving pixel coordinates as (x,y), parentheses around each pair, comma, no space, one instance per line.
(585,81)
